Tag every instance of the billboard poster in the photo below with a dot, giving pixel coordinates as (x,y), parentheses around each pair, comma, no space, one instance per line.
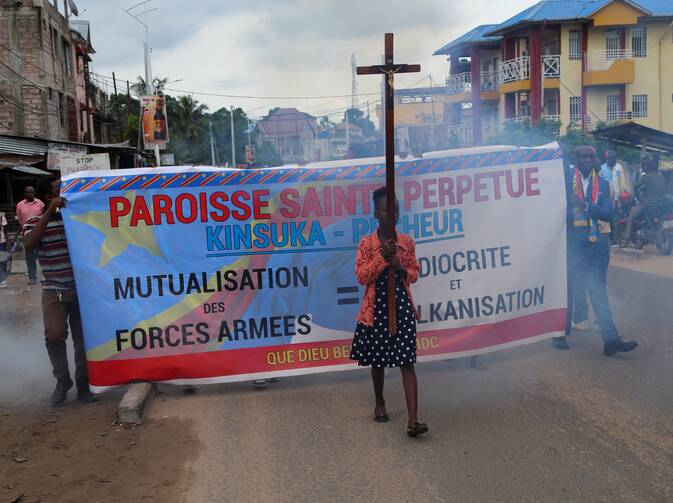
(153,121)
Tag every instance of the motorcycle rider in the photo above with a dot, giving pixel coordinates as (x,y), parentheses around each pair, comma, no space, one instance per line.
(651,191)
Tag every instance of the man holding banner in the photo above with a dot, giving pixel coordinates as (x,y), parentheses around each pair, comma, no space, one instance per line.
(60,306)
(589,202)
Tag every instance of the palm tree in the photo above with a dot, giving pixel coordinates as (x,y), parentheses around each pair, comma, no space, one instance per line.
(140,87)
(187,116)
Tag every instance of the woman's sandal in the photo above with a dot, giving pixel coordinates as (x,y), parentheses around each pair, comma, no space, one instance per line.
(417,429)
(383,418)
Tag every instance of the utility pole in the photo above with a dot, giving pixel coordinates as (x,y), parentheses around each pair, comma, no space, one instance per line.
(149,87)
(233,140)
(212,143)
(354,83)
(348,133)
(432,134)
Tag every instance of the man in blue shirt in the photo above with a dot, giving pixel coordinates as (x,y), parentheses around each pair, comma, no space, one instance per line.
(589,202)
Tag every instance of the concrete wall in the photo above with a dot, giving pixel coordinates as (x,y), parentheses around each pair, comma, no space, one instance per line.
(654,77)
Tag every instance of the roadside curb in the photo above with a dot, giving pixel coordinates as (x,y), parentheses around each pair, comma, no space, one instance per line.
(631,253)
(134,403)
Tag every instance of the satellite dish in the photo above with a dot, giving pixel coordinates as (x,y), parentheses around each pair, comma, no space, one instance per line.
(73,7)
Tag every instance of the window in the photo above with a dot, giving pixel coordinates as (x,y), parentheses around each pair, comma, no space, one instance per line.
(639,105)
(614,107)
(575,44)
(575,108)
(612,44)
(639,41)
(67,57)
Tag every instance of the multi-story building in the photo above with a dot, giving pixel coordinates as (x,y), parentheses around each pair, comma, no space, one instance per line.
(578,63)
(294,134)
(43,68)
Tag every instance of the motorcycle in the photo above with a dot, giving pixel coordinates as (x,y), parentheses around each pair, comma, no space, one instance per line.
(653,227)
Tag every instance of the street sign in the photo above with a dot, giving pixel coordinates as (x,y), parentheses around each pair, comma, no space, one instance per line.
(72,163)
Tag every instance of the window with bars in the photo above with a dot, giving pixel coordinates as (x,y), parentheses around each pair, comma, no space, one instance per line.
(639,105)
(612,44)
(575,108)
(639,41)
(614,107)
(575,44)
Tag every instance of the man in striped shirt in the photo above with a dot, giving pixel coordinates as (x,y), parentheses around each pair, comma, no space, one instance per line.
(46,234)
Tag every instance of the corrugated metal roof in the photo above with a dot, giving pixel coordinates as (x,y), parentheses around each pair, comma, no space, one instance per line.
(30,170)
(81,26)
(474,36)
(662,8)
(22,146)
(567,10)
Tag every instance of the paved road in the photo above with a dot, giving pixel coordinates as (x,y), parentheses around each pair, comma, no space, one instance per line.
(538,425)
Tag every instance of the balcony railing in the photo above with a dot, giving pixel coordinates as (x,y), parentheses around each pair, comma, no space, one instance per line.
(551,118)
(514,69)
(600,60)
(551,66)
(594,119)
(521,119)
(460,133)
(459,83)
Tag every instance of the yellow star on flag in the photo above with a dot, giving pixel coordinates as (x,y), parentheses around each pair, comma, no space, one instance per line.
(118,239)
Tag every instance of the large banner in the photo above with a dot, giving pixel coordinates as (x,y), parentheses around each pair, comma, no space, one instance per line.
(202,275)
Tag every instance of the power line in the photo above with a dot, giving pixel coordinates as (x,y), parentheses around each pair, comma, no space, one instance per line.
(11,101)
(240,96)
(23,59)
(21,76)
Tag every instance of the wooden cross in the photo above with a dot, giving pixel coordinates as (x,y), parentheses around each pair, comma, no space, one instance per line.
(389,69)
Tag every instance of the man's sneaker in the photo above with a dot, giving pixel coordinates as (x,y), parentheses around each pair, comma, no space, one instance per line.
(582,325)
(32,282)
(619,346)
(60,392)
(560,342)
(86,397)
(260,383)
(3,284)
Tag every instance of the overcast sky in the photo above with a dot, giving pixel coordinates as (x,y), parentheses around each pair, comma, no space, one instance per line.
(282,48)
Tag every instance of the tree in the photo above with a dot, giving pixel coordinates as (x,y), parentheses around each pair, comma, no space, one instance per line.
(187,116)
(187,124)
(140,87)
(267,155)
(358,118)
(222,133)
(325,123)
(132,127)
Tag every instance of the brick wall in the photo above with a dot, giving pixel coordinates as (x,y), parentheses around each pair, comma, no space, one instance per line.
(36,91)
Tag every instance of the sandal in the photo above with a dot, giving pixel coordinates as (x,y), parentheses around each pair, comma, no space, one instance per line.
(383,418)
(417,429)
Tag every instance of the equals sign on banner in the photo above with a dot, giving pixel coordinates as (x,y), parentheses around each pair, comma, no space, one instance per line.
(347,295)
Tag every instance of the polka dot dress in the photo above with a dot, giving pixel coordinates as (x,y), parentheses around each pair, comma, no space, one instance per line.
(372,345)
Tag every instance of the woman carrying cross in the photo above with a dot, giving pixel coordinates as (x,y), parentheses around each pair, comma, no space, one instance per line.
(373,344)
